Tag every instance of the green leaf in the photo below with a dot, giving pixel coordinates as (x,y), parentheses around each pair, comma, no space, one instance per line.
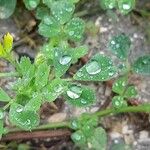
(74,1)
(54,89)
(48,3)
(41,12)
(8,43)
(4,96)
(78,52)
(34,104)
(78,137)
(25,119)
(1,128)
(118,102)
(41,75)
(99,139)
(119,85)
(62,61)
(131,92)
(49,27)
(120,45)
(99,68)
(74,29)
(31,4)
(142,65)
(7,7)
(62,10)
(125,6)
(80,96)
(108,4)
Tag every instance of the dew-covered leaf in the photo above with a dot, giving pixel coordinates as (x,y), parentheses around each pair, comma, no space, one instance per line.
(108,4)
(119,85)
(118,102)
(54,89)
(130,92)
(25,119)
(74,29)
(62,10)
(48,3)
(99,139)
(99,68)
(49,27)
(120,46)
(62,61)
(41,75)
(4,96)
(80,96)
(142,65)
(42,11)
(31,4)
(125,6)
(7,7)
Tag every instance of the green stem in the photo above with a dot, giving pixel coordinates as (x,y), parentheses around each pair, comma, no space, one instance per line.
(9,74)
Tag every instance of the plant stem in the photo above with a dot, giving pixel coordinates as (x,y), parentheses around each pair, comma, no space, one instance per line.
(9,74)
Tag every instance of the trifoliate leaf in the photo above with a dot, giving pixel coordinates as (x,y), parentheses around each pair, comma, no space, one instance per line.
(125,6)
(118,102)
(41,75)
(78,137)
(31,4)
(54,89)
(130,92)
(119,85)
(8,42)
(49,27)
(41,12)
(108,4)
(4,96)
(142,65)
(120,46)
(7,7)
(99,139)
(75,29)
(62,10)
(99,68)
(80,96)
(62,61)
(25,119)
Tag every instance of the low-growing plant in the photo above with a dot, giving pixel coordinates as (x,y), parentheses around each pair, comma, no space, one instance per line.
(45,79)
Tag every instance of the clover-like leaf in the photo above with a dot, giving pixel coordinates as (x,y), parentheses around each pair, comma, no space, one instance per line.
(31,4)
(130,92)
(119,85)
(4,96)
(7,7)
(96,142)
(25,119)
(120,45)
(62,61)
(118,102)
(41,75)
(125,6)
(49,27)
(108,4)
(99,68)
(74,29)
(80,96)
(62,10)
(41,12)
(54,89)
(142,65)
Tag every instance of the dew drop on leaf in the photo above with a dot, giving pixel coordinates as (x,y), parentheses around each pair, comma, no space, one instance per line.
(1,114)
(126,6)
(64,60)
(93,68)
(19,109)
(32,3)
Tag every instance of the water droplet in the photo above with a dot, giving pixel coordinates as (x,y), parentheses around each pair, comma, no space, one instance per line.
(83,101)
(111,74)
(19,109)
(71,33)
(1,114)
(64,60)
(74,92)
(47,20)
(79,74)
(69,9)
(77,137)
(32,3)
(93,68)
(123,83)
(126,6)
(145,62)
(28,122)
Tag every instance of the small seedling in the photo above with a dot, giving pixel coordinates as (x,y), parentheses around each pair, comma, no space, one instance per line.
(45,80)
